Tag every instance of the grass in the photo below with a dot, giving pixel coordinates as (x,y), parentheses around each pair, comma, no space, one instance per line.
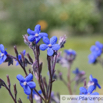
(80,44)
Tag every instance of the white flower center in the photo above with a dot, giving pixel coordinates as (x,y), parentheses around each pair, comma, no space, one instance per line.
(2,54)
(25,83)
(36,34)
(49,45)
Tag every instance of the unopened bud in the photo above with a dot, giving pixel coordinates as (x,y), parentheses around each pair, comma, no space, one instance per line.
(15,90)
(8,81)
(29,57)
(16,52)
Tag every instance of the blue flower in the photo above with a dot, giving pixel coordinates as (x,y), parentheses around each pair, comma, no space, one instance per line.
(20,57)
(3,54)
(34,94)
(96,50)
(93,83)
(83,91)
(99,45)
(92,58)
(50,45)
(70,52)
(76,71)
(36,35)
(26,83)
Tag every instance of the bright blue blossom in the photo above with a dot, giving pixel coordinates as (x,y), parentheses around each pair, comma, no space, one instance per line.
(70,52)
(96,50)
(95,84)
(76,71)
(26,83)
(36,35)
(92,58)
(50,45)
(3,54)
(34,94)
(20,57)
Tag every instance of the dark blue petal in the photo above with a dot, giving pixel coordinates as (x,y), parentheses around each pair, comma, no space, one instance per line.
(1,48)
(29,77)
(5,52)
(98,86)
(31,84)
(40,92)
(30,32)
(53,40)
(56,47)
(27,90)
(31,38)
(50,51)
(43,47)
(19,57)
(46,40)
(20,78)
(37,28)
(38,39)
(43,34)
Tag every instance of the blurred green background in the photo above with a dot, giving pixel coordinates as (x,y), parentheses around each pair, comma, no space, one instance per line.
(80,20)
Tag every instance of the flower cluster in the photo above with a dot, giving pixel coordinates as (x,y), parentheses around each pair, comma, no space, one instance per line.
(50,45)
(92,85)
(96,51)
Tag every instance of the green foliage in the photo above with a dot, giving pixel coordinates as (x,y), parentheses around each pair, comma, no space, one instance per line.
(78,16)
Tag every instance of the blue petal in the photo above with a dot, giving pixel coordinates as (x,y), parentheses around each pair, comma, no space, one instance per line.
(91,89)
(1,48)
(22,85)
(29,77)
(91,78)
(50,51)
(40,92)
(20,78)
(43,47)
(95,93)
(53,40)
(24,51)
(5,52)
(31,38)
(37,28)
(17,63)
(46,40)
(56,47)
(27,90)
(99,86)
(38,39)
(30,32)
(43,34)
(93,48)
(98,44)
(31,85)
(4,58)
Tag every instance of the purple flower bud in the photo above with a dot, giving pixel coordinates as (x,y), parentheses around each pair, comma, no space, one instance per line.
(62,41)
